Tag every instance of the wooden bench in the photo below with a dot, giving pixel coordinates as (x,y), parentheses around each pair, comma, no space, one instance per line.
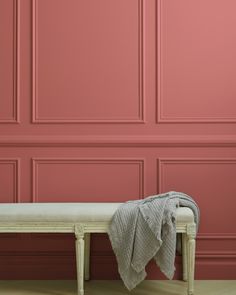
(82,219)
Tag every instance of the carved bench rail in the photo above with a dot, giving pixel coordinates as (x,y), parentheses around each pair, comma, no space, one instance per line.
(68,227)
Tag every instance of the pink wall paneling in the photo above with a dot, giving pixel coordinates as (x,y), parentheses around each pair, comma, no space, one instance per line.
(91,180)
(196,61)
(148,90)
(95,58)
(210,182)
(9,180)
(9,61)
(219,244)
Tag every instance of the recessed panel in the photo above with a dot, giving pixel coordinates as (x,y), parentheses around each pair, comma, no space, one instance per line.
(87,61)
(218,243)
(210,182)
(8,10)
(72,180)
(196,61)
(8,181)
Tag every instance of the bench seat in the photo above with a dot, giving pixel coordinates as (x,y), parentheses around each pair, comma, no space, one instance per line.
(70,212)
(82,219)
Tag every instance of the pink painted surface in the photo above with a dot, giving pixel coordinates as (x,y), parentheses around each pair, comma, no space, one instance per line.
(76,180)
(197,61)
(105,67)
(81,58)
(201,175)
(9,181)
(8,50)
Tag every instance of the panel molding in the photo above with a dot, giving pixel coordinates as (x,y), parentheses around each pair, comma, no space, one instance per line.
(16,179)
(38,253)
(212,238)
(216,236)
(35,114)
(37,161)
(210,254)
(160,116)
(199,255)
(162,161)
(217,268)
(116,140)
(16,65)
(101,254)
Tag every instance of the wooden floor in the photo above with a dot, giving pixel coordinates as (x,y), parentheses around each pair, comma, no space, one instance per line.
(115,288)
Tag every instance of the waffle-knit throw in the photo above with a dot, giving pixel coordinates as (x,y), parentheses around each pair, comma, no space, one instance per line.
(144,229)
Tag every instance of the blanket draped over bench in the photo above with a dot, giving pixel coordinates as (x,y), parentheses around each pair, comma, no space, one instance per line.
(144,229)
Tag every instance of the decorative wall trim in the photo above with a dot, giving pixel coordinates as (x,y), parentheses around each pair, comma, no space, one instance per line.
(16,64)
(160,116)
(37,253)
(121,141)
(162,161)
(199,253)
(107,254)
(116,161)
(216,236)
(218,255)
(16,179)
(53,265)
(35,116)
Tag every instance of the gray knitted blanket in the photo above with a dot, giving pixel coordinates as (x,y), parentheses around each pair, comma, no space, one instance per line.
(144,229)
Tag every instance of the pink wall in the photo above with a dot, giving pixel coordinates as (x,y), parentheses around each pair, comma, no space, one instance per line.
(113,100)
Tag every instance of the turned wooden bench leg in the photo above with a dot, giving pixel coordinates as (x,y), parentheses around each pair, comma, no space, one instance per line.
(191,234)
(79,247)
(87,257)
(184,257)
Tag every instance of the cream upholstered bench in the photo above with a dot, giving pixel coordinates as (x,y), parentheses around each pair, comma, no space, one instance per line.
(82,219)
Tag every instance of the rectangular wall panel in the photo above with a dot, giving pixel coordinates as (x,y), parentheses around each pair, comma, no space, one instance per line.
(211,182)
(216,245)
(88,68)
(196,61)
(9,28)
(91,180)
(9,180)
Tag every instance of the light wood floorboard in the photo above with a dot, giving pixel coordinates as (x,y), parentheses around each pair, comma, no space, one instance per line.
(99,287)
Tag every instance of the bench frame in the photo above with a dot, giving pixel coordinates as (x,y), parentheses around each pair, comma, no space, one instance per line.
(82,231)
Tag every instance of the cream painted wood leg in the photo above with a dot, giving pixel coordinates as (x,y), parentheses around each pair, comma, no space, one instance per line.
(87,257)
(184,257)
(79,246)
(191,234)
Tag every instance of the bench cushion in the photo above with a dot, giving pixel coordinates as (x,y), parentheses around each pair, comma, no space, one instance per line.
(70,212)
